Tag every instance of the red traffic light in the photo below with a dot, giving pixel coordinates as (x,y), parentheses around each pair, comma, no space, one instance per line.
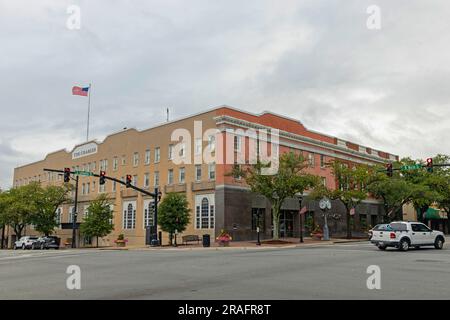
(102,177)
(66,174)
(128,180)
(430,164)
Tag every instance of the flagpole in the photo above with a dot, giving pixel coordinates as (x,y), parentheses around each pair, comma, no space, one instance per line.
(89,111)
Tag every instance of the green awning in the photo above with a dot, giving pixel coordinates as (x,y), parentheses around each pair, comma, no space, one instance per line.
(432,214)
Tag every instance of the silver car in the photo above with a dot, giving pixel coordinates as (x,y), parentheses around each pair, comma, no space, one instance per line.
(25,242)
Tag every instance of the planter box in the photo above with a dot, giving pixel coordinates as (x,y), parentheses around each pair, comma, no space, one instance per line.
(120,243)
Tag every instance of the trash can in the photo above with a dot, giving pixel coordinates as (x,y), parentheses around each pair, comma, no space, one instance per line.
(206,240)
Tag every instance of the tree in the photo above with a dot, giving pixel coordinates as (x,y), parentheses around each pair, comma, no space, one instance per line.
(20,206)
(48,200)
(173,214)
(98,223)
(351,188)
(289,181)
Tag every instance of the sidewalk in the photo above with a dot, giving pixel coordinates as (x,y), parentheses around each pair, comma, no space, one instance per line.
(265,244)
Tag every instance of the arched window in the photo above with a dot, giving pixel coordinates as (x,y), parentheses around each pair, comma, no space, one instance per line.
(149,214)
(129,217)
(58,216)
(204,212)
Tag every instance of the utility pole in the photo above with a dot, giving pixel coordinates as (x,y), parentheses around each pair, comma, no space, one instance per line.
(74,222)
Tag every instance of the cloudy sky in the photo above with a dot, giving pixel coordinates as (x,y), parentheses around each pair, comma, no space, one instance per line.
(313,60)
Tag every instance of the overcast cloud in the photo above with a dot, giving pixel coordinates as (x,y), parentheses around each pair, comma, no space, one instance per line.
(312,60)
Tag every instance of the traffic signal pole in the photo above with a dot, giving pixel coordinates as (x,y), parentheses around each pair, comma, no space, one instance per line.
(156,196)
(75,213)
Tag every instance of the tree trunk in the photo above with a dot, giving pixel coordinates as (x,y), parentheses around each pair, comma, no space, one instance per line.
(170,238)
(276,223)
(97,241)
(18,231)
(349,230)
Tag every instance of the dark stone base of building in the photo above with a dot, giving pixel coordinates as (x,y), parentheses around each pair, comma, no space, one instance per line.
(239,212)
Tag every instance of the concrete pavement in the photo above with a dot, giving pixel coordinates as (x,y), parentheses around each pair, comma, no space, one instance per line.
(316,272)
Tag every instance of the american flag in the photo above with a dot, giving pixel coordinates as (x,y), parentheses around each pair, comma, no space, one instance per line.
(352,211)
(79,91)
(303,210)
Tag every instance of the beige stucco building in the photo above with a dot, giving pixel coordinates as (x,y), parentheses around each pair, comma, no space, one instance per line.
(217,200)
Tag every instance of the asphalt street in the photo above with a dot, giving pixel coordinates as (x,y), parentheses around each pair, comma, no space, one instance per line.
(324,272)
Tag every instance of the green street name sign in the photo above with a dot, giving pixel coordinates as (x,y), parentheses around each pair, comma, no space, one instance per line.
(83,173)
(411,167)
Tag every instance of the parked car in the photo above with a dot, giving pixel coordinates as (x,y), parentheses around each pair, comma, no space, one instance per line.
(403,235)
(25,242)
(49,242)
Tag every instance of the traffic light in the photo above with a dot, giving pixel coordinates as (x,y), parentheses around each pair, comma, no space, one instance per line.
(390,170)
(102,177)
(128,180)
(430,165)
(66,174)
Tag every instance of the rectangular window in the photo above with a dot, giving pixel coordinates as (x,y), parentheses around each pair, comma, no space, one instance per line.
(93,166)
(322,161)
(157,154)
(212,171)
(324,181)
(198,172)
(170,155)
(237,143)
(147,156)
(156,179)
(135,180)
(311,158)
(83,189)
(170,176)
(212,143)
(182,175)
(198,146)
(124,160)
(114,186)
(146,180)
(135,159)
(88,186)
(115,163)
(101,188)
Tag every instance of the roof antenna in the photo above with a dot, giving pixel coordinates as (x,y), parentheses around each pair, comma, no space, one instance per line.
(167,111)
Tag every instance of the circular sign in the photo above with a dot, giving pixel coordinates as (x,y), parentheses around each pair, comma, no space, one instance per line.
(325,203)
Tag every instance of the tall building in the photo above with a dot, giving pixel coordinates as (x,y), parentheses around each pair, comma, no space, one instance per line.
(194,156)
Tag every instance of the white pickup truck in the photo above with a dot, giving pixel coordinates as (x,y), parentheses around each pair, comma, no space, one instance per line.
(403,235)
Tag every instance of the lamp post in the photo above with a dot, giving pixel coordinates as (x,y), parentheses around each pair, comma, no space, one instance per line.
(155,241)
(300,200)
(258,242)
(74,222)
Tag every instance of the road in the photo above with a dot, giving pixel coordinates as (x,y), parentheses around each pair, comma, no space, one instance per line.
(324,272)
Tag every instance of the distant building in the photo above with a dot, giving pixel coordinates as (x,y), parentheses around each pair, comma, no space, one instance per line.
(218,201)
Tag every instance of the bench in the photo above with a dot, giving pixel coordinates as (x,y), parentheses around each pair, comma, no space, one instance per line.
(190,238)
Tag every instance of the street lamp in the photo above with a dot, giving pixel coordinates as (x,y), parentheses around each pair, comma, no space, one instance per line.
(258,230)
(300,200)
(155,241)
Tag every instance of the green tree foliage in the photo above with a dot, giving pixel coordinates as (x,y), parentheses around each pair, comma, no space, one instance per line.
(97,223)
(290,180)
(20,206)
(173,214)
(351,190)
(48,200)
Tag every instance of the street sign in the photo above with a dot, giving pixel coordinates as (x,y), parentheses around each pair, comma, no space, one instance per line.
(411,167)
(83,173)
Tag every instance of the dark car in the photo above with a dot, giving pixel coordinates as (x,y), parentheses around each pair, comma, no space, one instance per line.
(50,242)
